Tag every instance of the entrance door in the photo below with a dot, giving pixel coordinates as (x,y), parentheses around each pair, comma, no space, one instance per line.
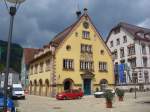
(67,85)
(87,86)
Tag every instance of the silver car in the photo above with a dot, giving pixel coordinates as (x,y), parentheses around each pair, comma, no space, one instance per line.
(100,94)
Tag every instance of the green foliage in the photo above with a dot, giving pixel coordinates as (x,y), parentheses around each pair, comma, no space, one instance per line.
(1,67)
(108,95)
(120,92)
(15,55)
(97,89)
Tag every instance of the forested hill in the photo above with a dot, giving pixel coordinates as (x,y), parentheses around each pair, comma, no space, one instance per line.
(15,57)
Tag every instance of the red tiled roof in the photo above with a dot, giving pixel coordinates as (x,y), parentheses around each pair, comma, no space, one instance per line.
(62,35)
(29,54)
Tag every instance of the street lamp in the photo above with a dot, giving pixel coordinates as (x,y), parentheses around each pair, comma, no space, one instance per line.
(135,87)
(12,7)
(135,83)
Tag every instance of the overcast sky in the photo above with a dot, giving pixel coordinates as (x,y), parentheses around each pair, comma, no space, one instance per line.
(38,21)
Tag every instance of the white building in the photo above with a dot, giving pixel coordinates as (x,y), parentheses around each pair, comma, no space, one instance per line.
(28,55)
(130,45)
(13,78)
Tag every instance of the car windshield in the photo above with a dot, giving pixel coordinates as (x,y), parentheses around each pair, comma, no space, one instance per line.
(67,91)
(17,89)
(75,91)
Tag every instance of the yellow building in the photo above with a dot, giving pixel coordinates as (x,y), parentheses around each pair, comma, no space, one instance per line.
(76,58)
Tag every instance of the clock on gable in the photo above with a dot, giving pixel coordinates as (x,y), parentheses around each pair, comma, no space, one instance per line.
(85,24)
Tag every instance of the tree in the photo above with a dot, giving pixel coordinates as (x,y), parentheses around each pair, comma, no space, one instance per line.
(1,67)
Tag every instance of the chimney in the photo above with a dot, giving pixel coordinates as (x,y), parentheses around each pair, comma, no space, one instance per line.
(85,10)
(78,13)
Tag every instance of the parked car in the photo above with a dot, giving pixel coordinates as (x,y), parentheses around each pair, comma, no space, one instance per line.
(17,91)
(70,94)
(10,103)
(100,94)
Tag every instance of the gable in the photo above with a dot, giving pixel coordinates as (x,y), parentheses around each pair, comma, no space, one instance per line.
(138,33)
(78,27)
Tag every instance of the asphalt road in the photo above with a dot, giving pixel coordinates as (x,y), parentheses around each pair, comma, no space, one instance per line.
(86,104)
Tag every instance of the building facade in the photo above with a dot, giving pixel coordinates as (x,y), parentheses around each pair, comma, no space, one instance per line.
(13,77)
(75,58)
(130,45)
(28,54)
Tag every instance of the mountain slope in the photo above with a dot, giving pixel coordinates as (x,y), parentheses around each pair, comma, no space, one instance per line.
(15,56)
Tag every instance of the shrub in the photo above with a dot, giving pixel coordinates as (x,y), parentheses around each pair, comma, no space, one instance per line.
(97,89)
(120,92)
(131,90)
(108,95)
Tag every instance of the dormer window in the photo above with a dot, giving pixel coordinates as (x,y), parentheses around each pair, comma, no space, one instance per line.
(140,33)
(147,35)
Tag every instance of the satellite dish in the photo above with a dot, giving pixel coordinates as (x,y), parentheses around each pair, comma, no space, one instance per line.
(16,1)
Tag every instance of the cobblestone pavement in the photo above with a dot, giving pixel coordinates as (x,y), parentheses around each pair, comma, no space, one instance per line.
(86,104)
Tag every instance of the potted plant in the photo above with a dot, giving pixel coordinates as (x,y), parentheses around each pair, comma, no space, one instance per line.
(109,97)
(120,94)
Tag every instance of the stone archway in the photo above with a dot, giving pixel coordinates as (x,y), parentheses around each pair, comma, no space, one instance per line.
(31,84)
(40,87)
(103,84)
(68,84)
(35,87)
(46,87)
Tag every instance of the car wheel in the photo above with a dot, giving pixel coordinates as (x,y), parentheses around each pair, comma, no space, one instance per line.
(14,110)
(65,98)
(95,96)
(23,98)
(99,96)
(79,97)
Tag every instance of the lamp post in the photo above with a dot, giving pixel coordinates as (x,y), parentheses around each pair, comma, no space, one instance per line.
(12,7)
(135,83)
(135,87)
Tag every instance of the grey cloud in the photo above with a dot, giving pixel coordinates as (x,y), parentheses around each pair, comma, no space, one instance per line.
(36,23)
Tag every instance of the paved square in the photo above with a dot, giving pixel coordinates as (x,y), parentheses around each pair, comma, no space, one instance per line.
(86,104)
